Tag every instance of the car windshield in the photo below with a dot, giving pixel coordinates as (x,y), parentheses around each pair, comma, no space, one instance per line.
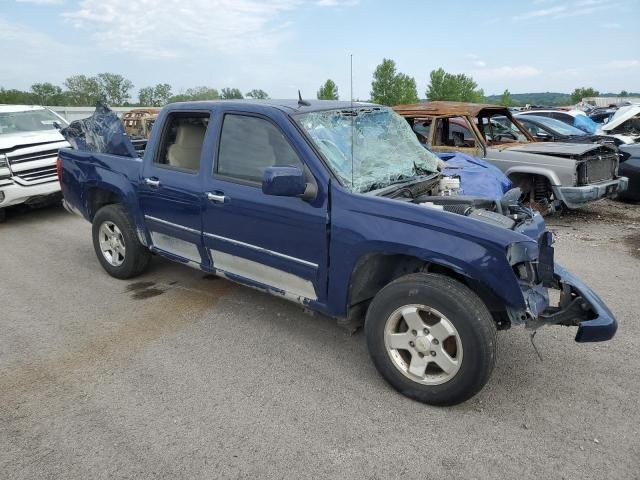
(499,128)
(368,148)
(28,121)
(556,125)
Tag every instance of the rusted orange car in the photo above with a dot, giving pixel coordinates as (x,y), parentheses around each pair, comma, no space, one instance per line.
(139,121)
(550,174)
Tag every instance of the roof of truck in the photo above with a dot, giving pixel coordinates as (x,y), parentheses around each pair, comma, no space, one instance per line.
(445,108)
(288,106)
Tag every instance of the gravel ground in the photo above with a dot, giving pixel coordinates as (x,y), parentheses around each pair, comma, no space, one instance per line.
(180,375)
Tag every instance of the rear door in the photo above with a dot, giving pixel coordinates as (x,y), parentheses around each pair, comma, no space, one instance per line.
(277,243)
(171,188)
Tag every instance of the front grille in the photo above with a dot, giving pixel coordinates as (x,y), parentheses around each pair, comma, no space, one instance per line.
(597,168)
(38,175)
(28,157)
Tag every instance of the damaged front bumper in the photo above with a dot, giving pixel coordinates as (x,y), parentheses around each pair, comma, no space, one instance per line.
(576,197)
(578,306)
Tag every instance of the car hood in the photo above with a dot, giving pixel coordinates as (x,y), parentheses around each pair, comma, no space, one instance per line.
(632,150)
(9,141)
(556,148)
(622,115)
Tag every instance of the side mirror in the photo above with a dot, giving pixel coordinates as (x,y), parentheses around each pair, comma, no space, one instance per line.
(284,181)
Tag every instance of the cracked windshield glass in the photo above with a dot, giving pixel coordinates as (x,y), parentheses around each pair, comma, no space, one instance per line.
(368,148)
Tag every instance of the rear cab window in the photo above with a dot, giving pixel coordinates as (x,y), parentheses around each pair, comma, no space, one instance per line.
(182,140)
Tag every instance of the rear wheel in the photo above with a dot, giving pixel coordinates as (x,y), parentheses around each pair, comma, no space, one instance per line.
(116,243)
(431,338)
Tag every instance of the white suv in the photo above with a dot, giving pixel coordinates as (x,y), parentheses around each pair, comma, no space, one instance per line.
(29,144)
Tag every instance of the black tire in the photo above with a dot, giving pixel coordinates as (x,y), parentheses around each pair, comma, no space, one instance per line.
(137,256)
(3,215)
(463,308)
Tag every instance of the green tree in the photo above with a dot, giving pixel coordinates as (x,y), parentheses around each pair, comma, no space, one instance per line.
(157,96)
(506,99)
(584,92)
(391,88)
(328,91)
(46,93)
(195,94)
(230,93)
(257,94)
(83,90)
(114,88)
(162,93)
(407,92)
(15,97)
(623,93)
(456,87)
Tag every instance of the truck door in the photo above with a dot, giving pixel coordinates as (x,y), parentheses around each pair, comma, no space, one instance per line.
(170,190)
(277,243)
(455,134)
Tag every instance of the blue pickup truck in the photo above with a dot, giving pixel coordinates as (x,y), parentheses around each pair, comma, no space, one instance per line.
(338,207)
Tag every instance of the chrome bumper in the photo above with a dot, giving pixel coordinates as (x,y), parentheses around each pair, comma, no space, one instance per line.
(576,197)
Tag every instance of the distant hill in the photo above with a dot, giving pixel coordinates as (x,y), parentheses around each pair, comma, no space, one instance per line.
(540,98)
(545,98)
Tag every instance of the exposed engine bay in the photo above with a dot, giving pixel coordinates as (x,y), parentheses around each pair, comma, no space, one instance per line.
(441,192)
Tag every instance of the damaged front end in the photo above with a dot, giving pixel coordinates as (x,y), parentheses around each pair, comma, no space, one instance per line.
(576,306)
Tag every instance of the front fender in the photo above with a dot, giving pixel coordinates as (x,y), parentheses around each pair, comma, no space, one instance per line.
(533,170)
(364,225)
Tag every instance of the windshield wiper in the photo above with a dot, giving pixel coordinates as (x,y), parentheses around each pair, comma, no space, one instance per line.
(383,189)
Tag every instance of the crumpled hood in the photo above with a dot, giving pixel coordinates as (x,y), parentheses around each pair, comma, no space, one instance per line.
(9,141)
(623,115)
(556,148)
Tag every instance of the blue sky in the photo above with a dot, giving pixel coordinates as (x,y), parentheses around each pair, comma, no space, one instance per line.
(285,45)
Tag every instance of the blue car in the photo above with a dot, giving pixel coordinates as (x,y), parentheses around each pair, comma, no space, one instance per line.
(338,207)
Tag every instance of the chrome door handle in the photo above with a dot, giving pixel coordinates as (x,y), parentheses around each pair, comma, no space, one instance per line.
(152,182)
(216,198)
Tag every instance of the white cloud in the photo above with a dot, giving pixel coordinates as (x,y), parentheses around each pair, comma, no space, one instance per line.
(543,12)
(611,26)
(337,3)
(25,61)
(173,28)
(42,2)
(623,64)
(480,63)
(507,72)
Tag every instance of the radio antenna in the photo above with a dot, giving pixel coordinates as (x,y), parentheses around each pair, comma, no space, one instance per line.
(352,113)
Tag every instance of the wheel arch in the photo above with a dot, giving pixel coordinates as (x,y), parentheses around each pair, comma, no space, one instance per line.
(99,194)
(374,270)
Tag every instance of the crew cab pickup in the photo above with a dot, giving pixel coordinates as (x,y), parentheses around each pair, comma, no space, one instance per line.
(551,175)
(338,207)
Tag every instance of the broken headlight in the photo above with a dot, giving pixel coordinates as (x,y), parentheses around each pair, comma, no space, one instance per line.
(523,258)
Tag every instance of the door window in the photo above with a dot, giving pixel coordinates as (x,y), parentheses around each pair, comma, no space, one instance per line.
(182,141)
(454,132)
(248,145)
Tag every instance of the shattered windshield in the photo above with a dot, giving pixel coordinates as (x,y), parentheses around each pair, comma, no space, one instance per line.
(368,147)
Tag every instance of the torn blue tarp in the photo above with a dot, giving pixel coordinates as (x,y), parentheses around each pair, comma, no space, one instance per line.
(585,124)
(477,177)
(102,132)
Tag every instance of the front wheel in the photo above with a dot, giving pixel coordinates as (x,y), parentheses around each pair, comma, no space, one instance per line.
(116,243)
(431,338)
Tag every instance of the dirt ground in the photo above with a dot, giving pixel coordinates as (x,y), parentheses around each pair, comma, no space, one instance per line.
(177,374)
